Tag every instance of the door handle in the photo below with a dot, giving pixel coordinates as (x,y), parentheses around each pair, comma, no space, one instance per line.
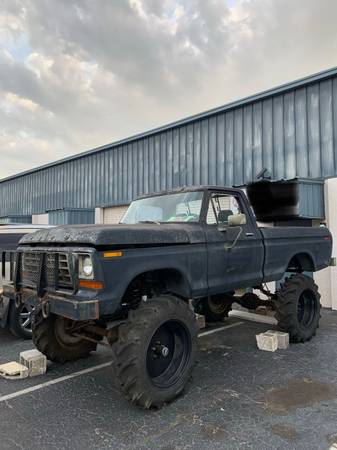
(250,234)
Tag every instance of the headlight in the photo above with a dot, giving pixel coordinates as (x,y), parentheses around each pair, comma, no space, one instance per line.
(86,269)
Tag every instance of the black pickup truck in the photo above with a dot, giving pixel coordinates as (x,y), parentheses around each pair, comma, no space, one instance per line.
(138,284)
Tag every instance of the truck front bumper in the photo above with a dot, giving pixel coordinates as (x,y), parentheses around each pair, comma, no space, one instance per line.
(79,308)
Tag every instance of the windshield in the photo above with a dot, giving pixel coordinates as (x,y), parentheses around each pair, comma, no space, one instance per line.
(181,207)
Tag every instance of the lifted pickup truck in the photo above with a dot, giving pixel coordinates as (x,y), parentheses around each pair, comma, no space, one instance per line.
(138,283)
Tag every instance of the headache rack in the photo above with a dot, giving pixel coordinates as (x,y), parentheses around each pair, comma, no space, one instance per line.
(39,270)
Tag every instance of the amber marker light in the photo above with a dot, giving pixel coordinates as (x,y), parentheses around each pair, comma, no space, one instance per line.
(112,254)
(90,284)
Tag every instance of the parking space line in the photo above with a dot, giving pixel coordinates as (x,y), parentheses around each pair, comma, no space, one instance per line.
(4,398)
(37,387)
(206,333)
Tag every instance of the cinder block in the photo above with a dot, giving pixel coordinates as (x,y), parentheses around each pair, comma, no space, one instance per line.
(13,371)
(200,321)
(266,342)
(282,338)
(35,361)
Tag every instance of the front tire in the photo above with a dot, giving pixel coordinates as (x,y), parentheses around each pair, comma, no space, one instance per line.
(154,355)
(50,337)
(298,308)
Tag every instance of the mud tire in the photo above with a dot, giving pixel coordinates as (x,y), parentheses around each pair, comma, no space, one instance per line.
(298,307)
(133,357)
(47,340)
(215,308)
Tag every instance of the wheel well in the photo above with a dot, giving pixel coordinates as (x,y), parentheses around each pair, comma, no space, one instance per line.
(300,263)
(156,282)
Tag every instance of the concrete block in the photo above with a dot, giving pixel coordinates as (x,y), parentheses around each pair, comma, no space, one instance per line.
(35,362)
(200,321)
(266,342)
(13,371)
(282,338)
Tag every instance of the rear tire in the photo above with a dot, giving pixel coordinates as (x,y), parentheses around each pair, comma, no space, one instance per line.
(154,355)
(298,308)
(50,338)
(215,308)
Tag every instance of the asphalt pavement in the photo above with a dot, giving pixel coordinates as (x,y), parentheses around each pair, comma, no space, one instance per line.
(239,397)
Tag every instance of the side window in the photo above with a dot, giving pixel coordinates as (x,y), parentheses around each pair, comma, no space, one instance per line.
(220,207)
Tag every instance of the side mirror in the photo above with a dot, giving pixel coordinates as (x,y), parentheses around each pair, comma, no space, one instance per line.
(237,220)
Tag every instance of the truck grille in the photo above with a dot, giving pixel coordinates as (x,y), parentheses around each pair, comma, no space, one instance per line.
(64,277)
(56,269)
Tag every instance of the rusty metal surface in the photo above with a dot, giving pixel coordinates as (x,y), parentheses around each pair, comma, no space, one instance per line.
(118,234)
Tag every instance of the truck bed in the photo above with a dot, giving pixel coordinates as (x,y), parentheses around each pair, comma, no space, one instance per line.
(281,244)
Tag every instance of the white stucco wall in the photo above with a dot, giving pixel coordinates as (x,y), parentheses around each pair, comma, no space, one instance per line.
(40,219)
(327,278)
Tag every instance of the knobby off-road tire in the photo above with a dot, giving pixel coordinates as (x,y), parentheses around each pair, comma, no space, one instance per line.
(215,308)
(298,308)
(51,339)
(154,355)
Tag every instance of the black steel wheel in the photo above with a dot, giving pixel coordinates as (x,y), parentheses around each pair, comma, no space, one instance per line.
(51,336)
(298,308)
(154,355)
(168,353)
(216,307)
(20,318)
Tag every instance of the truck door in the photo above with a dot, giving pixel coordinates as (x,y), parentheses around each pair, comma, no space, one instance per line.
(231,266)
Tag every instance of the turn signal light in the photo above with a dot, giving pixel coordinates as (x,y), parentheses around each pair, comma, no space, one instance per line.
(91,284)
(112,254)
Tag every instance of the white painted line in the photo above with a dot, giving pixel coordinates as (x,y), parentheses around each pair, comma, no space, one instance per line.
(206,333)
(253,317)
(4,398)
(37,387)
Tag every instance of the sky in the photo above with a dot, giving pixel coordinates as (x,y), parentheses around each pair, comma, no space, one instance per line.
(77,74)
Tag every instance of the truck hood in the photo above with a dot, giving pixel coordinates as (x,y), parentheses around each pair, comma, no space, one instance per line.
(138,234)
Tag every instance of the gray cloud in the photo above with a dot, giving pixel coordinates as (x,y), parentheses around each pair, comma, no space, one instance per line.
(95,72)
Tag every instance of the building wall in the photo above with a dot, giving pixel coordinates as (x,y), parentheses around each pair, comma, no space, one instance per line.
(40,219)
(110,215)
(327,278)
(71,216)
(291,130)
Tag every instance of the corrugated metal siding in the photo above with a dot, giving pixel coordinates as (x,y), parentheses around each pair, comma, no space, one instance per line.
(15,219)
(292,132)
(311,199)
(71,217)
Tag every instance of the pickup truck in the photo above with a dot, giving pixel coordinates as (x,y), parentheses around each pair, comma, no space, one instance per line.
(137,285)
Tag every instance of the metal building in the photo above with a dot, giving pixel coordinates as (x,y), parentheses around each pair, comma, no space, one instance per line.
(291,130)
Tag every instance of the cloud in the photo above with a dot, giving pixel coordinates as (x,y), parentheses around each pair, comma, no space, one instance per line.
(77,74)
